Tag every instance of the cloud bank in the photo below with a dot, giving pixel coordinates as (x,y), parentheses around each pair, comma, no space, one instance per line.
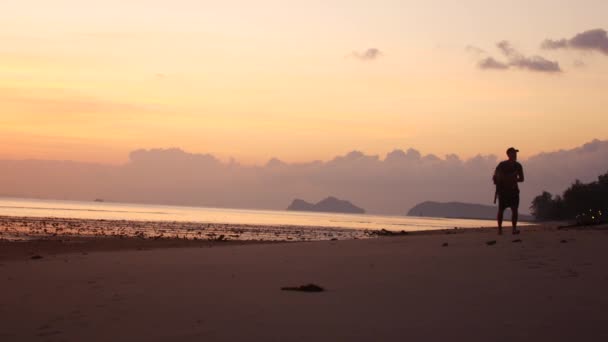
(389,185)
(591,40)
(515,59)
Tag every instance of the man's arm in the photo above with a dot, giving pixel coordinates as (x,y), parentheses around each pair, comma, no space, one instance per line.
(495,177)
(520,174)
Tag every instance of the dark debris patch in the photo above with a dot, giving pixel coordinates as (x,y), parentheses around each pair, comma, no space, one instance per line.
(304,288)
(36,257)
(384,232)
(491,243)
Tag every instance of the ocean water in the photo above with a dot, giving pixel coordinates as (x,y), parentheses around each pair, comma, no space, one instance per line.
(190,222)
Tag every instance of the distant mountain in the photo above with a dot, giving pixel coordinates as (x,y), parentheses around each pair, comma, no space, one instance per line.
(460,210)
(330,204)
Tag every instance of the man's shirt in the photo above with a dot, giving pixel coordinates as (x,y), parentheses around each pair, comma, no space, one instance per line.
(507,175)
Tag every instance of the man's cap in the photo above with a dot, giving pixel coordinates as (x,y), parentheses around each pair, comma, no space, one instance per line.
(512,149)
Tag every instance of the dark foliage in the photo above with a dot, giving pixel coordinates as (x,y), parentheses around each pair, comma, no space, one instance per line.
(585,203)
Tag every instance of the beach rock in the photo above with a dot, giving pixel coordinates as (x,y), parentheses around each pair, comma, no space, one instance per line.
(517,240)
(564,241)
(36,257)
(445,244)
(304,288)
(491,243)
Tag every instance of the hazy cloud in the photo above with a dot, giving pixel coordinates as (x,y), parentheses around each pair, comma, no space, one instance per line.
(474,50)
(536,63)
(370,54)
(516,59)
(549,44)
(491,63)
(389,185)
(507,49)
(533,63)
(172,157)
(593,40)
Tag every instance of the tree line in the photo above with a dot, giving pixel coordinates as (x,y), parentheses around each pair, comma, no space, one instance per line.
(585,203)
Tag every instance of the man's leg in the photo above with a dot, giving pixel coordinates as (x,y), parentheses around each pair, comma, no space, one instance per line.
(499,218)
(514,217)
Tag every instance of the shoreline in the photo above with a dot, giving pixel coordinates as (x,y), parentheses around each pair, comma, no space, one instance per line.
(55,245)
(28,227)
(33,227)
(52,244)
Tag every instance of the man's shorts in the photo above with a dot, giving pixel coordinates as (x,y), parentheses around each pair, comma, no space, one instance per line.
(508,199)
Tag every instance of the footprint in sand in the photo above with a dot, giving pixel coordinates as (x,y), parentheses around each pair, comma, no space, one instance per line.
(570,274)
(49,333)
(46,331)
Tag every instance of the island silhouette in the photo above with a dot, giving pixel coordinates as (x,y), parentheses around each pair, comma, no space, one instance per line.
(330,204)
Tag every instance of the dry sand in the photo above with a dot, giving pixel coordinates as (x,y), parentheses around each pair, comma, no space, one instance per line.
(406,288)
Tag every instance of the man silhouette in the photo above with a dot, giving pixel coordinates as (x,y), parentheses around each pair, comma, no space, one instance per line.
(506,177)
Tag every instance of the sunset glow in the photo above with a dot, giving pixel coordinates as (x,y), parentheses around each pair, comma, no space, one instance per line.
(92,81)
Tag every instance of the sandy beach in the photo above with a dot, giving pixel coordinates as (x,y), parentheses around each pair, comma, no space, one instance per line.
(551,286)
(308,171)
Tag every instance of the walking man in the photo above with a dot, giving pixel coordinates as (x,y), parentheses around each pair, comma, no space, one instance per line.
(506,177)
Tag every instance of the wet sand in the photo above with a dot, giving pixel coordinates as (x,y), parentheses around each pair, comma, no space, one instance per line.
(27,228)
(550,286)
(50,247)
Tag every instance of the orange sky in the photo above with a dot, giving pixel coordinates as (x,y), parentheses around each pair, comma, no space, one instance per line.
(90,80)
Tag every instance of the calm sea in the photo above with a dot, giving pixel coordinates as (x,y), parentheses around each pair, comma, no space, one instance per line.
(213,217)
